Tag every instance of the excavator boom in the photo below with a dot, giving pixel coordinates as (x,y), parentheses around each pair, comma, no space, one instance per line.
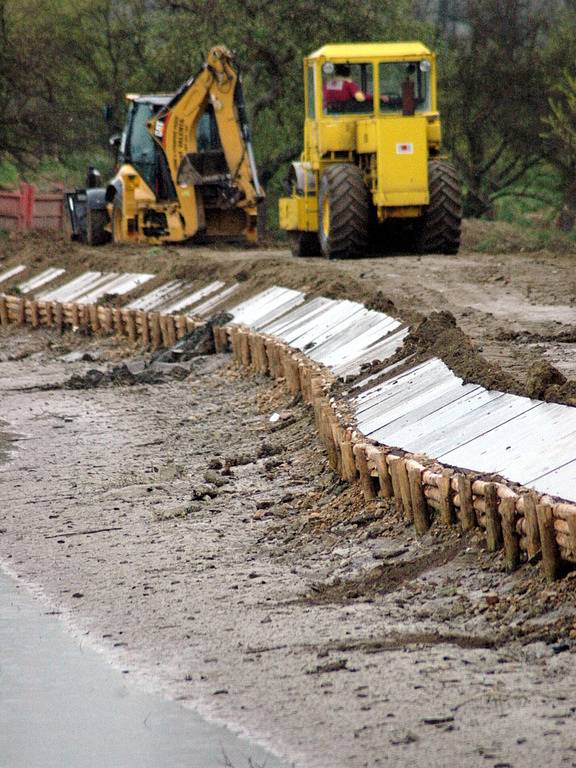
(175,129)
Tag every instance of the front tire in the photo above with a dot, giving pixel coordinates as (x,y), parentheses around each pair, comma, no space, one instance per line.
(439,230)
(96,223)
(343,212)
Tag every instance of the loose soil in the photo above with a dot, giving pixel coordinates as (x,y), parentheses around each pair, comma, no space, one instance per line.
(514,308)
(210,553)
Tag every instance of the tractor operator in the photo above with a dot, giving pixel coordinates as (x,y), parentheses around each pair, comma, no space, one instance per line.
(341,88)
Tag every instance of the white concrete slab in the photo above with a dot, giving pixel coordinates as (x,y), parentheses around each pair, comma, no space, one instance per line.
(380,350)
(402,403)
(189,299)
(353,341)
(415,433)
(204,309)
(12,272)
(299,318)
(250,310)
(526,446)
(560,482)
(39,280)
(165,292)
(280,310)
(69,290)
(294,316)
(116,285)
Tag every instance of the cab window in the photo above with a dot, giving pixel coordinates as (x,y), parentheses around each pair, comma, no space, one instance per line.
(347,88)
(405,87)
(207,136)
(140,145)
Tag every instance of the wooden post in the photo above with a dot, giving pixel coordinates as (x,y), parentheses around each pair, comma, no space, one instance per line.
(22,312)
(94,318)
(171,327)
(447,511)
(571,523)
(75,316)
(144,329)
(393,464)
(155,331)
(401,486)
(349,469)
(326,433)
(118,322)
(532,528)
(419,506)
(181,329)
(4,321)
(131,325)
(364,472)
(386,489)
(467,513)
(86,319)
(509,533)
(493,525)
(550,550)
(45,307)
(245,352)
(59,317)
(34,320)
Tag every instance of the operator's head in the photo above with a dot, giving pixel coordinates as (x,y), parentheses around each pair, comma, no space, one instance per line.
(342,70)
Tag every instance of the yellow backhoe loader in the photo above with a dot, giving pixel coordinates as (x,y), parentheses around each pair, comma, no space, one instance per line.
(372,156)
(186,167)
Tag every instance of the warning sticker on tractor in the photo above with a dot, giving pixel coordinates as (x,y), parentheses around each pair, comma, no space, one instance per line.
(404,149)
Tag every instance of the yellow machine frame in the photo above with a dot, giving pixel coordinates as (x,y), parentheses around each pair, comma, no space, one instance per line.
(398,181)
(174,130)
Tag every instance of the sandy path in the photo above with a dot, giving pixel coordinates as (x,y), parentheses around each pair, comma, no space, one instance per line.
(197,588)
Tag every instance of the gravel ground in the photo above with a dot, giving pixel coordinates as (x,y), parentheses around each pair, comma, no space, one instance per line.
(211,554)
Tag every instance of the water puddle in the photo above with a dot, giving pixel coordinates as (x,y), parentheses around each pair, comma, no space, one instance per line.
(62,705)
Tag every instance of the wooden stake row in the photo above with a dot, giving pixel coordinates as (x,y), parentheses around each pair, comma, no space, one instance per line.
(148,329)
(523,523)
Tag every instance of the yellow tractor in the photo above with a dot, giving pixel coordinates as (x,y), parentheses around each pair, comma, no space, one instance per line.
(186,167)
(372,155)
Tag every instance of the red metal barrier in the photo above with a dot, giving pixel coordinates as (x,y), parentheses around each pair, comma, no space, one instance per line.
(27,209)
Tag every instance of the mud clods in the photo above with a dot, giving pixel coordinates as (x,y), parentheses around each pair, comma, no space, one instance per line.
(177,362)
(546,382)
(381,303)
(541,376)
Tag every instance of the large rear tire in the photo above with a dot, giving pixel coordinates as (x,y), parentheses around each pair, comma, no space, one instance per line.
(439,230)
(304,244)
(96,223)
(343,212)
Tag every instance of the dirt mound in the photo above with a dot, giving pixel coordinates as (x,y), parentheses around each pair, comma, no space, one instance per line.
(438,335)
(541,375)
(380,303)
